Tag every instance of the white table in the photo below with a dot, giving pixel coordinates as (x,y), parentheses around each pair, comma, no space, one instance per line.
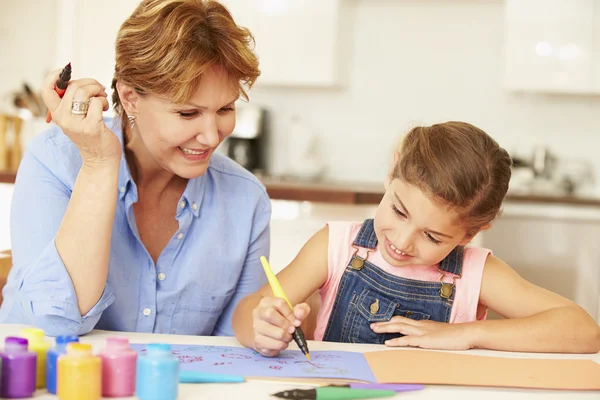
(262,390)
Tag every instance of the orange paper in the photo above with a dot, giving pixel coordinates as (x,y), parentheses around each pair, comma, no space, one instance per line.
(431,367)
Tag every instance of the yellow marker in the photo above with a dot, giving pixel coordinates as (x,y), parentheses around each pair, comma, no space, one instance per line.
(37,344)
(278,292)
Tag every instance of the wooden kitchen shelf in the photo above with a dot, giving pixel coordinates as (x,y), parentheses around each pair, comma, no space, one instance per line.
(7,176)
(361,193)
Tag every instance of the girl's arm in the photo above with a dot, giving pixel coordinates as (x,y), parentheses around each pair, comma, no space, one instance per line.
(537,320)
(263,322)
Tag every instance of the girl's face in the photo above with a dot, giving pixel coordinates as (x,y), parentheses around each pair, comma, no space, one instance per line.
(181,138)
(413,230)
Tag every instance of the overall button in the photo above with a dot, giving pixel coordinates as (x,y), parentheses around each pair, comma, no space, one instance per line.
(147,311)
(182,204)
(180,236)
(194,206)
(161,276)
(122,189)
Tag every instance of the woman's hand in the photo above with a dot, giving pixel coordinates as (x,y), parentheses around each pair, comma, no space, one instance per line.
(97,144)
(274,323)
(426,334)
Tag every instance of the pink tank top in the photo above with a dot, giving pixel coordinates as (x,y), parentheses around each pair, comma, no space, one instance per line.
(466,307)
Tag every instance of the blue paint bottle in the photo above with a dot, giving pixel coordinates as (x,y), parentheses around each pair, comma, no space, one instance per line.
(52,357)
(157,376)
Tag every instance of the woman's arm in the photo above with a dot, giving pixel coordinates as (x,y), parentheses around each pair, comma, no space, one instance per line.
(83,238)
(84,235)
(260,317)
(41,289)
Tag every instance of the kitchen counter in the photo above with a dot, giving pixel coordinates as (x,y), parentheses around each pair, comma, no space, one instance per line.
(324,191)
(371,193)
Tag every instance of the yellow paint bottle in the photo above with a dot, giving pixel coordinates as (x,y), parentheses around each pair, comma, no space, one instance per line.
(79,374)
(39,345)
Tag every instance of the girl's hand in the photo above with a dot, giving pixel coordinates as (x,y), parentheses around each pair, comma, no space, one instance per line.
(274,323)
(426,334)
(96,143)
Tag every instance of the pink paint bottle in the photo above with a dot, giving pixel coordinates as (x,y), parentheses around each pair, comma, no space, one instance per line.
(118,368)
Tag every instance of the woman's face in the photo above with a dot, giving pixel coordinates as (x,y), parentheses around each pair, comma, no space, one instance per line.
(181,138)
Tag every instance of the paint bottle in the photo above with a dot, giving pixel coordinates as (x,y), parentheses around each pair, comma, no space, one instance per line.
(18,369)
(118,368)
(52,358)
(39,345)
(157,373)
(79,374)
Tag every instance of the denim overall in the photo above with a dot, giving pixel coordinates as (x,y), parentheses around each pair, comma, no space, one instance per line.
(368,294)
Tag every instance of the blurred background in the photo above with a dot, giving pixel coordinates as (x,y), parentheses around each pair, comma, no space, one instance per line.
(342,80)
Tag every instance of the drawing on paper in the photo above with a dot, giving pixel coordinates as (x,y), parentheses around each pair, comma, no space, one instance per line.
(289,363)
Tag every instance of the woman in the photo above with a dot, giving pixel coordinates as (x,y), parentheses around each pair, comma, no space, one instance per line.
(134,224)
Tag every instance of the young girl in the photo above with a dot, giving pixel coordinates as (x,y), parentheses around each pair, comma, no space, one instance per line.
(405,278)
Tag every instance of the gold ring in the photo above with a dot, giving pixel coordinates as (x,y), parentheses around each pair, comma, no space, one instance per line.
(80,107)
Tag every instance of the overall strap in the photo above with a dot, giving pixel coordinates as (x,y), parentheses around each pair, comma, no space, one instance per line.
(453,261)
(366,236)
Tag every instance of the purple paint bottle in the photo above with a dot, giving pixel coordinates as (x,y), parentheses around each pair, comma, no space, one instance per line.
(18,369)
(118,368)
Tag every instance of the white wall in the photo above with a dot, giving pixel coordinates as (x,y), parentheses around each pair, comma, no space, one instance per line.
(27,44)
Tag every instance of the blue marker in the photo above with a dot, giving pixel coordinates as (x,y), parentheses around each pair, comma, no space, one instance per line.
(157,376)
(51,358)
(204,377)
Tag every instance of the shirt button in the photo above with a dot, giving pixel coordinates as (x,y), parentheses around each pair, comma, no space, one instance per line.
(147,311)
(161,277)
(122,189)
(180,236)
(194,206)
(182,204)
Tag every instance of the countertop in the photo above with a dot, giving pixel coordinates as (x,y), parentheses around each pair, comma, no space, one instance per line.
(371,193)
(347,192)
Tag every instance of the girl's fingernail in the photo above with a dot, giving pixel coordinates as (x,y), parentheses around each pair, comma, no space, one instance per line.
(297,322)
(291,329)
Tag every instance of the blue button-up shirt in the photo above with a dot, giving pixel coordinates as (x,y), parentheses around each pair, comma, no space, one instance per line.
(208,266)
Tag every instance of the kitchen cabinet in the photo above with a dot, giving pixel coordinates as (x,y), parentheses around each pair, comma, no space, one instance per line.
(550,45)
(86,36)
(299,42)
(552,246)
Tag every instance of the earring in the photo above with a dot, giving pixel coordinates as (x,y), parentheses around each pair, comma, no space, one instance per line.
(131,119)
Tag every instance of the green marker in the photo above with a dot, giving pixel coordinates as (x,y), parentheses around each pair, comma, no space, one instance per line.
(334,393)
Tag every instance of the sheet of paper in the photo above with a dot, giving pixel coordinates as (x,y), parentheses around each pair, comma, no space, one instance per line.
(430,367)
(289,364)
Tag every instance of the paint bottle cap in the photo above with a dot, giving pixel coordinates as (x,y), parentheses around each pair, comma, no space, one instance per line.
(79,349)
(117,343)
(66,339)
(13,343)
(33,334)
(159,348)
